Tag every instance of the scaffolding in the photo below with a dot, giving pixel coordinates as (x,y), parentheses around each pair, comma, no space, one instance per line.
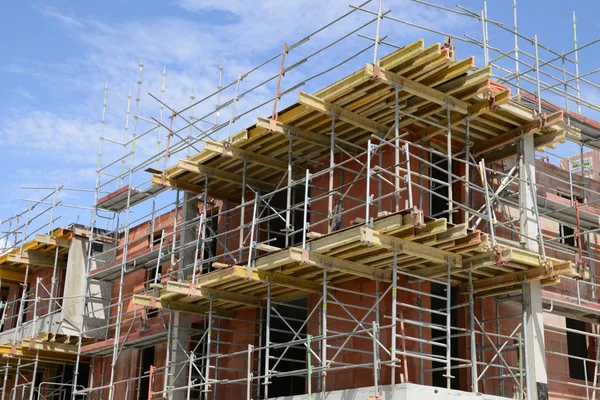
(388,228)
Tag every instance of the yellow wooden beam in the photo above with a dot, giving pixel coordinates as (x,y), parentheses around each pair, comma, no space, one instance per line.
(38,258)
(301,134)
(231,177)
(478,108)
(337,264)
(350,117)
(44,356)
(277,279)
(509,137)
(11,277)
(193,188)
(53,241)
(403,246)
(187,308)
(214,294)
(417,89)
(227,150)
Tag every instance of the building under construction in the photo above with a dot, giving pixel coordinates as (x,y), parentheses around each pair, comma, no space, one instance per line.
(402,232)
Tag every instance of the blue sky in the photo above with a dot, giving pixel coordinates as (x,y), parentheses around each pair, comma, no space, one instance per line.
(57,55)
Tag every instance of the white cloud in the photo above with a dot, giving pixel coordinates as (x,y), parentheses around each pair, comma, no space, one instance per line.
(63,19)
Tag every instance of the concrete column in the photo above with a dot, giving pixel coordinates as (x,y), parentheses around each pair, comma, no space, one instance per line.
(181,322)
(99,293)
(537,378)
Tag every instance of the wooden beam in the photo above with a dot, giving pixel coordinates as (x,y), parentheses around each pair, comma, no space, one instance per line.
(228,150)
(531,274)
(337,264)
(306,136)
(417,89)
(187,308)
(478,108)
(403,246)
(49,346)
(530,128)
(231,177)
(350,117)
(44,356)
(53,241)
(208,293)
(11,277)
(278,279)
(38,258)
(193,188)
(539,141)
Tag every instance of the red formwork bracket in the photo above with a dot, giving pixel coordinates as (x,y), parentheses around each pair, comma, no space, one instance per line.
(376,73)
(304,257)
(417,217)
(498,255)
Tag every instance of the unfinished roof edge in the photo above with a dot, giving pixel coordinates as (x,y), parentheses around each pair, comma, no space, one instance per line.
(430,82)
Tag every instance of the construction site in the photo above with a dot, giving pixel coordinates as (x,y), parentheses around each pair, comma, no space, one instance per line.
(409,229)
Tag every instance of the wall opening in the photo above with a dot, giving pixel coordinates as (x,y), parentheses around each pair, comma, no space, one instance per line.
(439,204)
(577,347)
(68,372)
(438,375)
(147,355)
(295,313)
(567,235)
(276,226)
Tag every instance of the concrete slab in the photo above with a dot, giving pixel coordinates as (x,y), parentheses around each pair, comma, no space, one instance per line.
(404,391)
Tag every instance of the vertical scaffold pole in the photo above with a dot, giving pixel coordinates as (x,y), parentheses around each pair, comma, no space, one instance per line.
(266,381)
(306,222)
(288,205)
(397,149)
(377,29)
(190,131)
(408,178)
(449,155)
(235,100)
(467,167)
(516,49)
(208,343)
(368,183)
(324,339)
(448,327)
(484,42)
(243,211)
(575,47)
(249,374)
(331,174)
(537,75)
(394,321)
(473,342)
